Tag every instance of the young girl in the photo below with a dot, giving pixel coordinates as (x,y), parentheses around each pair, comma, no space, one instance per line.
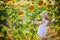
(42,30)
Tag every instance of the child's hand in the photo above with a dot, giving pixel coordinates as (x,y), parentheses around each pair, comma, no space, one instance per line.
(34,22)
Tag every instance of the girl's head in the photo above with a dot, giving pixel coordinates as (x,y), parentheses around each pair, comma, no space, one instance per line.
(44,14)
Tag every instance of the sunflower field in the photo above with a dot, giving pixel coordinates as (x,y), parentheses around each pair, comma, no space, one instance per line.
(16,18)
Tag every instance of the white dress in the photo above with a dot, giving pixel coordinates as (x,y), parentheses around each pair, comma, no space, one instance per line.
(42,30)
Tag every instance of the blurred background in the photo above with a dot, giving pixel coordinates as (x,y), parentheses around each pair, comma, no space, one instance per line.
(16,18)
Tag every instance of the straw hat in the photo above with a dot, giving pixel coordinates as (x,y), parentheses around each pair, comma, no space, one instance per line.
(44,13)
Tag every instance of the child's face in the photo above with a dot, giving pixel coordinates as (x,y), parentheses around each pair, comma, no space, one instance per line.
(43,16)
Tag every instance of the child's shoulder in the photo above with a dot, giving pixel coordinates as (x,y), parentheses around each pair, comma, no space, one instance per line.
(46,20)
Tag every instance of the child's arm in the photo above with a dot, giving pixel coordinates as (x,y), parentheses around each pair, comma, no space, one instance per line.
(38,22)
(46,23)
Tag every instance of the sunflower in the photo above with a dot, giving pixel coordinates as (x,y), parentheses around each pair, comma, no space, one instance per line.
(44,3)
(20,14)
(7,0)
(40,3)
(31,7)
(51,3)
(17,6)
